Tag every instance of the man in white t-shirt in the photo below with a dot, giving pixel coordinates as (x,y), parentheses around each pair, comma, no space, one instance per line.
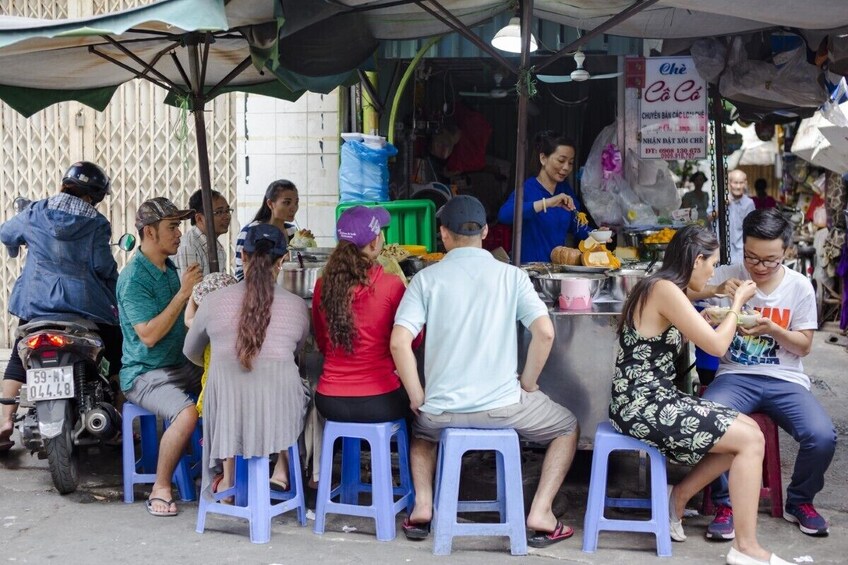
(470,303)
(762,371)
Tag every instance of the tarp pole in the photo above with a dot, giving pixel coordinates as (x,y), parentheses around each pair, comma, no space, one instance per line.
(521,135)
(720,179)
(197,108)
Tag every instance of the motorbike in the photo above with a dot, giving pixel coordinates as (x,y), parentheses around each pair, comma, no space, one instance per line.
(68,401)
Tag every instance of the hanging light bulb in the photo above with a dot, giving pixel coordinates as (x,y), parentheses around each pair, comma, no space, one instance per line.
(509,38)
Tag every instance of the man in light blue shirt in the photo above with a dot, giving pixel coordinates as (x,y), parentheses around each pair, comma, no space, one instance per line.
(739,205)
(470,303)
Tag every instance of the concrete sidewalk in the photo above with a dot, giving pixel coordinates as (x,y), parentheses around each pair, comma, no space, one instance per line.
(94,526)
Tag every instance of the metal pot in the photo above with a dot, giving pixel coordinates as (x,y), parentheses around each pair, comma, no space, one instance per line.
(551,284)
(622,281)
(311,254)
(300,281)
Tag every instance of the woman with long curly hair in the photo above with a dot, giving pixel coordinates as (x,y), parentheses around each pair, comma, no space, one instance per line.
(353,311)
(255,401)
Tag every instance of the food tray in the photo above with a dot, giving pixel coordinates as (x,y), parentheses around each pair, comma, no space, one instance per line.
(583,269)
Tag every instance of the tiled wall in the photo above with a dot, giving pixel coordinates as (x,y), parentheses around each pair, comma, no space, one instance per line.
(298,141)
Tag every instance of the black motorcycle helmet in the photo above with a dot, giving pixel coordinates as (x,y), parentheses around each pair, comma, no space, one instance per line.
(87,179)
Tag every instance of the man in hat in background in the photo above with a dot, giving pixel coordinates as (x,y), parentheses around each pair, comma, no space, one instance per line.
(155,373)
(472,382)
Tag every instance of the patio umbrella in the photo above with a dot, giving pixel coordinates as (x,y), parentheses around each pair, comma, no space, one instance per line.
(194,49)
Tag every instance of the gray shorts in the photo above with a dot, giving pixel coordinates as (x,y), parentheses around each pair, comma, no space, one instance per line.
(164,391)
(535,417)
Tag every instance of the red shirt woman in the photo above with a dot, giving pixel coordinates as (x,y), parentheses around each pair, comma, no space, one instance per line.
(353,312)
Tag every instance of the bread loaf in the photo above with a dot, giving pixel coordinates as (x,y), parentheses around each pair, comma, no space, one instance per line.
(565,256)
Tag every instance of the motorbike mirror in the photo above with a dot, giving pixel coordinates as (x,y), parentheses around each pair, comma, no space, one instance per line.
(20,203)
(126,242)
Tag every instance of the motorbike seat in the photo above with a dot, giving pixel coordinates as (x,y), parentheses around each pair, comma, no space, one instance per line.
(66,322)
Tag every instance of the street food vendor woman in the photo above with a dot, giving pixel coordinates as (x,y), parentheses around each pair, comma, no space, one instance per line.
(551,210)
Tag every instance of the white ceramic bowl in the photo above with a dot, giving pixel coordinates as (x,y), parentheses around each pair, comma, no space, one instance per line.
(601,235)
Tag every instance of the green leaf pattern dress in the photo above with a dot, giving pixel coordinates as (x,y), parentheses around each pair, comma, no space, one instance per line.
(646,404)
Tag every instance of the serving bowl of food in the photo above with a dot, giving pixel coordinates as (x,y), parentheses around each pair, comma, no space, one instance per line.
(716,315)
(601,235)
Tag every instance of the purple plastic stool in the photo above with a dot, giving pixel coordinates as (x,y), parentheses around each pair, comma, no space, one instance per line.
(510,489)
(608,440)
(384,507)
(143,470)
(253,496)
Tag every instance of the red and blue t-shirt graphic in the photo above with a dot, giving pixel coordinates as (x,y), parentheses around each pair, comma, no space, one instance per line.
(762,349)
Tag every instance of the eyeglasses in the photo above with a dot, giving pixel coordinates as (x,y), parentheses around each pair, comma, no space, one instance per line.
(224,212)
(767,263)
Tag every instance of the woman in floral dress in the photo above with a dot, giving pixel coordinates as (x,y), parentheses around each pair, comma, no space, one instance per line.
(656,320)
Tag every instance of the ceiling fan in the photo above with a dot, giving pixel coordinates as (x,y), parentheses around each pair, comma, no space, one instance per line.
(577,75)
(496,92)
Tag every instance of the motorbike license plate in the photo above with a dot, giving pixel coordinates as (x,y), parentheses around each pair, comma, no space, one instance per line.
(52,383)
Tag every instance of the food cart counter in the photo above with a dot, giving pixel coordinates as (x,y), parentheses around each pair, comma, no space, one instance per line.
(579,370)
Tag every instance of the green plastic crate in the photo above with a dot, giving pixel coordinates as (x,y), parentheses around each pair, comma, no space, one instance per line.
(413,221)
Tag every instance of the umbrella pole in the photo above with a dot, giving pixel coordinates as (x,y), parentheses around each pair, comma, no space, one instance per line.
(521,134)
(197,107)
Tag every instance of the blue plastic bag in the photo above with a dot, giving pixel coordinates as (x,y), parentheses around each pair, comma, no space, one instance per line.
(364,172)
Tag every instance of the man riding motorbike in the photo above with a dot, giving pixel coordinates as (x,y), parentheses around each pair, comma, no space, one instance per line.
(69,269)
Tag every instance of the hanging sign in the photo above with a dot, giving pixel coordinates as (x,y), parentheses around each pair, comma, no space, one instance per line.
(673,110)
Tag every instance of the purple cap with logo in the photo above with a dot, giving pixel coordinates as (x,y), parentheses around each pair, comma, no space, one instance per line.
(360,225)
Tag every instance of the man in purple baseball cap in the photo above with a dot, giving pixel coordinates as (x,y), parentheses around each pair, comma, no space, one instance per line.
(361,225)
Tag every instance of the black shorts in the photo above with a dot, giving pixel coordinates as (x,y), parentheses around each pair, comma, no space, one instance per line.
(386,407)
(112,338)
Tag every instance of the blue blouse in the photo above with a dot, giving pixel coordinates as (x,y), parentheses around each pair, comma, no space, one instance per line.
(542,231)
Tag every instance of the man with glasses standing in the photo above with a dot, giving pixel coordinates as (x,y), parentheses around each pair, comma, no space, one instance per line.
(762,370)
(193,247)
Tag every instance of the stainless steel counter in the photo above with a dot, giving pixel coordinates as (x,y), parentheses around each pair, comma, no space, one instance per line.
(579,370)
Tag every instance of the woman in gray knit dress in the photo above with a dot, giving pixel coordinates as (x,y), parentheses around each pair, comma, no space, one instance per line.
(255,401)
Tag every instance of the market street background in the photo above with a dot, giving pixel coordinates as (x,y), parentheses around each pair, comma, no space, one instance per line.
(94,526)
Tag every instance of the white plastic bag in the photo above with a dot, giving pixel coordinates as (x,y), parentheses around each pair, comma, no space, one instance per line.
(656,189)
(795,83)
(593,171)
(808,137)
(709,56)
(600,198)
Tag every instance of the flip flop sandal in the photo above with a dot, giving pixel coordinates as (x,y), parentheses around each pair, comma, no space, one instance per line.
(416,532)
(278,486)
(544,539)
(160,514)
(6,445)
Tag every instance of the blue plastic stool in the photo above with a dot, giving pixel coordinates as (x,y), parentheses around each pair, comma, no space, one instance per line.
(253,496)
(143,470)
(384,507)
(510,489)
(608,440)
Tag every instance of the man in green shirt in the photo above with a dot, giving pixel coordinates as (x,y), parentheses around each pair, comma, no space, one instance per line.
(155,373)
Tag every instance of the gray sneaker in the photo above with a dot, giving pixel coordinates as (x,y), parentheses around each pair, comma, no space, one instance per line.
(721,528)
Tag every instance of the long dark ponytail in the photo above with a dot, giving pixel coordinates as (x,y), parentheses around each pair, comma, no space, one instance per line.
(256,308)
